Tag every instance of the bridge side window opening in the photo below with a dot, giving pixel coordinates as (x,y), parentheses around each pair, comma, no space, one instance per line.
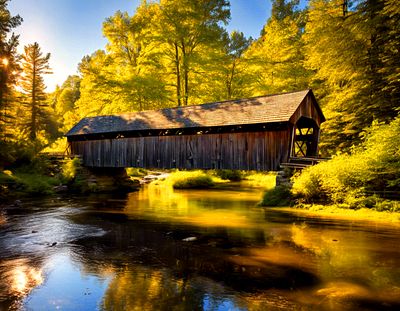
(306,138)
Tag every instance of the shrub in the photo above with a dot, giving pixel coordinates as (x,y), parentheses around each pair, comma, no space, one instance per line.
(69,169)
(136,172)
(372,167)
(278,196)
(7,180)
(35,184)
(232,175)
(335,181)
(189,179)
(58,146)
(262,180)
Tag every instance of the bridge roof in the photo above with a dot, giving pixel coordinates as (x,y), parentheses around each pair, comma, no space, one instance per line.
(256,110)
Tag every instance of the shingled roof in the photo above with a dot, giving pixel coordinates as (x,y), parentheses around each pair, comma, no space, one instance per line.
(256,110)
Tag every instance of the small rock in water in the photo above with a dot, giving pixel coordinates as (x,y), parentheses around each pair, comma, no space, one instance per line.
(60,188)
(53,244)
(189,239)
(34,231)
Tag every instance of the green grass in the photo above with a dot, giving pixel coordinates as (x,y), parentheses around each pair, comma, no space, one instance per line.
(232,175)
(207,179)
(136,172)
(335,211)
(26,183)
(35,184)
(278,196)
(260,180)
(189,179)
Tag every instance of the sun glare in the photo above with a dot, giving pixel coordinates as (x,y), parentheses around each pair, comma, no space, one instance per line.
(25,278)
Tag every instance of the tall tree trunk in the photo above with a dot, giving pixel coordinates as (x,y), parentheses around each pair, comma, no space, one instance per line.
(34,112)
(178,75)
(230,80)
(185,75)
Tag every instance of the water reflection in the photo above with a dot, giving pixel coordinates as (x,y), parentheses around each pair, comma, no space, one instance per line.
(2,219)
(67,287)
(18,278)
(207,208)
(199,250)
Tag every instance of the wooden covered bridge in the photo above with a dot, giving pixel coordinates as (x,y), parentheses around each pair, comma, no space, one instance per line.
(248,134)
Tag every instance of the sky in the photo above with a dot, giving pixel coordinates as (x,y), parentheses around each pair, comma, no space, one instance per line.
(71,29)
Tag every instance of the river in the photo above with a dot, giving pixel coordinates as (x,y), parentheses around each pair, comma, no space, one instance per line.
(159,249)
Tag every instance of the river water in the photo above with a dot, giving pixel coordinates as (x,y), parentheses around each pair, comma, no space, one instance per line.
(159,249)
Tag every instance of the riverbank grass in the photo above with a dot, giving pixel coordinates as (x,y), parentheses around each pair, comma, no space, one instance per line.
(277,196)
(17,183)
(266,181)
(212,178)
(190,180)
(336,212)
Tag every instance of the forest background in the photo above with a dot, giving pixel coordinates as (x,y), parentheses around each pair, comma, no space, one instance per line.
(178,52)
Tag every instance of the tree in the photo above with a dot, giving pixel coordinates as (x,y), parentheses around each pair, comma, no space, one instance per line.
(9,64)
(188,29)
(62,102)
(133,52)
(350,49)
(277,57)
(159,57)
(35,65)
(389,56)
(282,9)
(228,70)
(235,65)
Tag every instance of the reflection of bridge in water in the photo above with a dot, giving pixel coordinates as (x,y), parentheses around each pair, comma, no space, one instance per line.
(257,133)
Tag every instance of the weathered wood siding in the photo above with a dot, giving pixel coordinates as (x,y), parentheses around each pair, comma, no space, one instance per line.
(309,110)
(262,151)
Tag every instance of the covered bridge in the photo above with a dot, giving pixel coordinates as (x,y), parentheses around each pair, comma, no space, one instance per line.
(248,134)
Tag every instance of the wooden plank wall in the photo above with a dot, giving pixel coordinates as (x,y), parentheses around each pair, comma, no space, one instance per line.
(306,109)
(262,151)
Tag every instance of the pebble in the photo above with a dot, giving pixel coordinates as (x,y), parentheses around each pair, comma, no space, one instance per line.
(190,239)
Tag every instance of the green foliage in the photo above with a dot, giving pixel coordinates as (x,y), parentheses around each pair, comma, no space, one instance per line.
(136,172)
(277,57)
(351,50)
(29,182)
(58,146)
(347,179)
(387,205)
(189,179)
(232,175)
(69,169)
(260,180)
(230,74)
(278,196)
(62,102)
(9,70)
(35,65)
(35,184)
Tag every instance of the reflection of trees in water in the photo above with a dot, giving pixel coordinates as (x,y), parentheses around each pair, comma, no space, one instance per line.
(143,288)
(153,264)
(353,268)
(196,207)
